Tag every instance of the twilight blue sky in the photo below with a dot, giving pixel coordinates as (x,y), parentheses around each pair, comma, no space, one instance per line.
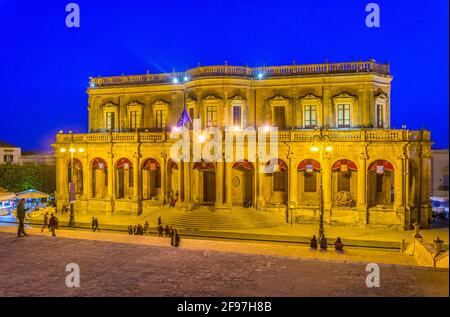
(45,65)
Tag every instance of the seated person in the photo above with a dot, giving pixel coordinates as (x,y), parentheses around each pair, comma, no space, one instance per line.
(323,243)
(313,244)
(338,245)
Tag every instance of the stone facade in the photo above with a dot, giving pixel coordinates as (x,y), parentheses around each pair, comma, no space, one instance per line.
(334,130)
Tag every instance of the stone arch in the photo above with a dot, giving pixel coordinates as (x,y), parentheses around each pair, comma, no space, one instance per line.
(242,183)
(77,175)
(344,183)
(380,184)
(124,178)
(151,179)
(99,178)
(308,182)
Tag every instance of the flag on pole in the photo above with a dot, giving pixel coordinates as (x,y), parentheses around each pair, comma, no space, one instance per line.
(184,119)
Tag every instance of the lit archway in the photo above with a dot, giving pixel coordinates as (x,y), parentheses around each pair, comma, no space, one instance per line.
(151,179)
(277,176)
(205,176)
(77,175)
(242,190)
(99,172)
(124,178)
(344,179)
(308,182)
(380,184)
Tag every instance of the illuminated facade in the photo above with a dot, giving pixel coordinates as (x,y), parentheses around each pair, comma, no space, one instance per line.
(373,176)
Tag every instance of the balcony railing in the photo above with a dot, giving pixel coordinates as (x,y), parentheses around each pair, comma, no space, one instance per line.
(242,72)
(283,136)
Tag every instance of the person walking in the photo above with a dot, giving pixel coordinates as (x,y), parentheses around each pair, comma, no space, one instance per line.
(313,244)
(177,239)
(159,221)
(21,215)
(130,229)
(160,231)
(323,243)
(53,224)
(95,224)
(167,231)
(45,222)
(172,236)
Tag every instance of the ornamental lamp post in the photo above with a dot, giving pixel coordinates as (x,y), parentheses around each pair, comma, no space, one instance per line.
(322,145)
(72,150)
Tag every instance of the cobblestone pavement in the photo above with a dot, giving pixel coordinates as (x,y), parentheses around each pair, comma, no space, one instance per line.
(35,266)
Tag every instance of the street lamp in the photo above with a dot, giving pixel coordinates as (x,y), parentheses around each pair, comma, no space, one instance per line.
(321,145)
(72,150)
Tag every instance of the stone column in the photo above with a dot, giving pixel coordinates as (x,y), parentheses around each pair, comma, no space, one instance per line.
(87,178)
(219,183)
(327,188)
(292,182)
(362,191)
(162,196)
(425,186)
(260,171)
(136,173)
(111,182)
(228,183)
(187,185)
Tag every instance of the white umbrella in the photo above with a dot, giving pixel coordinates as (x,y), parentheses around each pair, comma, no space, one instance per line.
(31,194)
(5,196)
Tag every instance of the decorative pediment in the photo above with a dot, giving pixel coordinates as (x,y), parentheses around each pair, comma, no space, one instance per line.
(310,99)
(344,97)
(211,99)
(190,100)
(135,105)
(238,98)
(381,96)
(344,94)
(279,100)
(160,103)
(110,105)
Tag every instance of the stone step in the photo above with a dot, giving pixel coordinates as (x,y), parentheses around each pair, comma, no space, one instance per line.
(205,217)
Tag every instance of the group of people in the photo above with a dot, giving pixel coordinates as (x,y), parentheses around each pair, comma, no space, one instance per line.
(169,232)
(50,223)
(338,245)
(138,229)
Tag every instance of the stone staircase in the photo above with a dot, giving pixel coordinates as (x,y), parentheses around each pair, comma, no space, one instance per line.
(207,218)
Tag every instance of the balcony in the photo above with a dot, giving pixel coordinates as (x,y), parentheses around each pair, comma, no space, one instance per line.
(357,135)
(242,72)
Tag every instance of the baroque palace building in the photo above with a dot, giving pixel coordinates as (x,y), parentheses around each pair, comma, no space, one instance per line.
(334,129)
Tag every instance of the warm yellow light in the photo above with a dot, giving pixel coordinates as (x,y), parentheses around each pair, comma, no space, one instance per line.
(266,128)
(62,150)
(329,149)
(201,138)
(72,149)
(314,149)
(81,150)
(236,128)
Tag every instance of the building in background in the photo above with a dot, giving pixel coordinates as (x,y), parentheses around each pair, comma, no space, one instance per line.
(9,154)
(373,175)
(38,158)
(440,181)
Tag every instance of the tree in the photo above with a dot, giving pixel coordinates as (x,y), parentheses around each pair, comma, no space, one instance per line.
(16,178)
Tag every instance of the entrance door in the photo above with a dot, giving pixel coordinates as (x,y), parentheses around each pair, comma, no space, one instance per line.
(209,186)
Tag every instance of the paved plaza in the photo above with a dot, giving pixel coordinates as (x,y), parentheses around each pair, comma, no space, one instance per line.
(113,264)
